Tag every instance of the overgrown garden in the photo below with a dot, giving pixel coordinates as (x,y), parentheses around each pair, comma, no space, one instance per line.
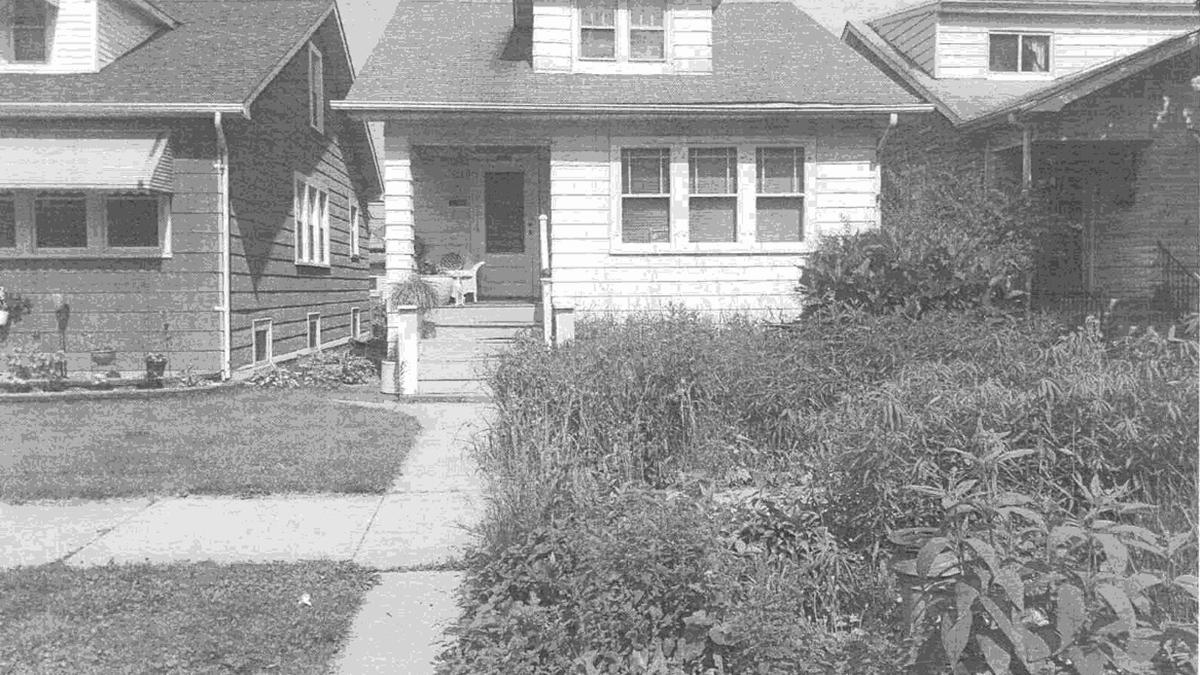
(918,477)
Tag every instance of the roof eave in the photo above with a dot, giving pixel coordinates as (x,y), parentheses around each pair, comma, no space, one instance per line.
(628,109)
(58,109)
(1058,7)
(875,44)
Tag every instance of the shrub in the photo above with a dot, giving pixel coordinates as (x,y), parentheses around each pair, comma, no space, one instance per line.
(945,243)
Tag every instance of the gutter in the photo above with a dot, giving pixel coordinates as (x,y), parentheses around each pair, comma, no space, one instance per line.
(225,307)
(48,109)
(629,108)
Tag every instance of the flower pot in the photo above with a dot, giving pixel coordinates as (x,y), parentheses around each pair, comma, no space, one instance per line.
(155,369)
(389,377)
(442,285)
(104,357)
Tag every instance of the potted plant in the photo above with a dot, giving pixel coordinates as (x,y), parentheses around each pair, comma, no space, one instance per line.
(441,284)
(104,356)
(156,366)
(415,290)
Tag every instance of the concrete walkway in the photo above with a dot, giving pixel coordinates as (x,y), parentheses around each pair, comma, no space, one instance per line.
(414,529)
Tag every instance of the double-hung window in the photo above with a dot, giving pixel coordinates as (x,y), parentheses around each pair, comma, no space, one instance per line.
(1018,53)
(311,205)
(742,196)
(779,193)
(646,195)
(316,88)
(712,194)
(623,30)
(29,20)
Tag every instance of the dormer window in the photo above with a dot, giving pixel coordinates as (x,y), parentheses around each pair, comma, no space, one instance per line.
(29,22)
(623,30)
(1018,53)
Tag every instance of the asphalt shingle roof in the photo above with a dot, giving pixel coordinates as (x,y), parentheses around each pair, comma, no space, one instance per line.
(450,51)
(220,54)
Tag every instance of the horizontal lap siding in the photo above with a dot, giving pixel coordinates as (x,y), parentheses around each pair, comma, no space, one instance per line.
(691,37)
(552,36)
(120,29)
(125,303)
(591,278)
(1077,42)
(265,154)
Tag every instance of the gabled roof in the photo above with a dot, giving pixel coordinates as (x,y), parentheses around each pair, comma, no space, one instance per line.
(457,55)
(215,59)
(976,102)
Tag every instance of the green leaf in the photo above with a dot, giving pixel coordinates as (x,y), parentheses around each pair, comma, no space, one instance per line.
(1009,579)
(955,635)
(987,553)
(964,597)
(1086,663)
(1188,583)
(1028,514)
(1141,651)
(1116,556)
(928,552)
(1036,648)
(997,659)
(1070,614)
(1119,601)
(1007,628)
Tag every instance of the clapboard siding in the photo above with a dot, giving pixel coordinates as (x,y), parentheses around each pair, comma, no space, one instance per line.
(1077,42)
(121,27)
(265,154)
(124,303)
(552,36)
(691,36)
(914,35)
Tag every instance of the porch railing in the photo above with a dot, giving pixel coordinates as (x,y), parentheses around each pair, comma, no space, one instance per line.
(1179,287)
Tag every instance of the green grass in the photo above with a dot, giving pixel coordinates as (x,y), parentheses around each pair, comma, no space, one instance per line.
(233,441)
(184,618)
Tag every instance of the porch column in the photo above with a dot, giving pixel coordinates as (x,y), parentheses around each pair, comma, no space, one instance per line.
(398,205)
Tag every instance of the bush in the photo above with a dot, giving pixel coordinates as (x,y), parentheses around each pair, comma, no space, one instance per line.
(945,243)
(321,369)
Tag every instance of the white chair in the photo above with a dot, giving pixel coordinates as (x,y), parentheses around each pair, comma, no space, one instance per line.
(465,282)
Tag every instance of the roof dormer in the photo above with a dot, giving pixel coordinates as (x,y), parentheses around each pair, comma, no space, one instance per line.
(73,36)
(1028,39)
(631,37)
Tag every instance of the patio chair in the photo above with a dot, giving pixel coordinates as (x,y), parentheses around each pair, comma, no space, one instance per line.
(466,281)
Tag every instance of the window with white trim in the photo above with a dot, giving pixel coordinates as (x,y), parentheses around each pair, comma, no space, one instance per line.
(355,230)
(84,223)
(623,30)
(693,196)
(646,195)
(316,88)
(314,330)
(356,323)
(261,339)
(311,209)
(779,194)
(1018,53)
(30,22)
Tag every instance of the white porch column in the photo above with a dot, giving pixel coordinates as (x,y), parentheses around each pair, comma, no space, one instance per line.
(398,204)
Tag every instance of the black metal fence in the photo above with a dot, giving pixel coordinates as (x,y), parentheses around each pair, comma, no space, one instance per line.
(1178,293)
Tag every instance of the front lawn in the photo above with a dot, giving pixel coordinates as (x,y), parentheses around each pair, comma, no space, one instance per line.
(233,441)
(193,618)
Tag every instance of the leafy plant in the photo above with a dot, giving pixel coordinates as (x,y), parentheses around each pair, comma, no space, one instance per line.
(321,369)
(27,363)
(416,291)
(1022,585)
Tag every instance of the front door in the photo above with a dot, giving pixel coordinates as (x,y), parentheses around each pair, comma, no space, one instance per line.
(509,232)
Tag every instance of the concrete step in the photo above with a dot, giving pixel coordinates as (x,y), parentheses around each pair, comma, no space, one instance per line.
(451,387)
(483,332)
(503,313)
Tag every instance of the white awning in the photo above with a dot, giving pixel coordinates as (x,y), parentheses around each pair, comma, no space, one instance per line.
(86,162)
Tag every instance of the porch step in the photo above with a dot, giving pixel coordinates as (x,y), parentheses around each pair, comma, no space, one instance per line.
(506,314)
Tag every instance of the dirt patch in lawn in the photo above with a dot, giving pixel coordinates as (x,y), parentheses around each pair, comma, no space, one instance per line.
(195,618)
(244,440)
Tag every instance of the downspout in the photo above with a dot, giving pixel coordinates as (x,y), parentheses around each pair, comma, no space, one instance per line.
(893,120)
(226,308)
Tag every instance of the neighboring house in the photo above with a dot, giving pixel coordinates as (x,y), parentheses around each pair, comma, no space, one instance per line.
(641,153)
(1090,103)
(174,172)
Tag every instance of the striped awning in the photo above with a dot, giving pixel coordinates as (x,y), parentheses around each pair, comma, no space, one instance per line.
(86,162)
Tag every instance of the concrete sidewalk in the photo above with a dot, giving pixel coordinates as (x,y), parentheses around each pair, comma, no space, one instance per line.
(421,522)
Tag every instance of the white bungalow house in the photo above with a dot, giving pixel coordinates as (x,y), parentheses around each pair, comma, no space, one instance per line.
(612,156)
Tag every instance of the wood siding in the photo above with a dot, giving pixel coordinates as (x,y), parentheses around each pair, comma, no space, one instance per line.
(589,273)
(266,153)
(124,303)
(691,37)
(914,35)
(71,40)
(553,26)
(1077,42)
(120,29)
